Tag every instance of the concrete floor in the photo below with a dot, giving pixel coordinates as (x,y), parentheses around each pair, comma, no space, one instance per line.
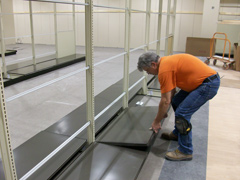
(35,112)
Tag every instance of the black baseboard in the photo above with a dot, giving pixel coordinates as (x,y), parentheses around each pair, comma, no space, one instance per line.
(9,52)
(29,71)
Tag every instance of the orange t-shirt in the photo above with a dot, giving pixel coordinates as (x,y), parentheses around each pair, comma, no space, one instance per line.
(182,70)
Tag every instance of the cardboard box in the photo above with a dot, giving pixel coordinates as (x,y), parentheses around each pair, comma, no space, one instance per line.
(237,56)
(199,46)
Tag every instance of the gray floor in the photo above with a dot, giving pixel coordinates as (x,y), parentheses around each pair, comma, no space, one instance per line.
(195,169)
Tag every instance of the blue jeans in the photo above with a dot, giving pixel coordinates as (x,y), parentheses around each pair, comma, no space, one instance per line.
(186,103)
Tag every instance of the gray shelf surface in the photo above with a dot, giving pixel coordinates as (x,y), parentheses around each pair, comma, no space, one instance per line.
(38,147)
(30,153)
(77,118)
(105,162)
(130,128)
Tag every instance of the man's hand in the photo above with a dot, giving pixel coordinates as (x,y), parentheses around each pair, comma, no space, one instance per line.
(156,127)
(162,111)
(166,115)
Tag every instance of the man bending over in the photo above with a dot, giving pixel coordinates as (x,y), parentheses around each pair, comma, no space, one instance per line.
(198,83)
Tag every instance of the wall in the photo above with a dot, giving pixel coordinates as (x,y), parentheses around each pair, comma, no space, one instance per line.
(109,27)
(188,23)
(209,25)
(229,10)
(8,20)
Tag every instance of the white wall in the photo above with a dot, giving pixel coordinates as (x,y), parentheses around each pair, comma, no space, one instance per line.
(43,24)
(8,20)
(109,27)
(228,7)
(209,25)
(189,24)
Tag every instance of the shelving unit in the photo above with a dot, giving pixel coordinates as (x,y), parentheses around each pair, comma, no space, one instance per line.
(229,11)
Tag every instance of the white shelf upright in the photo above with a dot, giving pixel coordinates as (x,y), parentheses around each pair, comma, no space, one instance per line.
(90,71)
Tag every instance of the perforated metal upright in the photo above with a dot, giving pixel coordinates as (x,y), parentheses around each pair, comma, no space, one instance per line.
(147,25)
(166,52)
(32,33)
(74,21)
(170,37)
(5,143)
(159,27)
(3,49)
(173,22)
(128,4)
(56,29)
(90,71)
(147,31)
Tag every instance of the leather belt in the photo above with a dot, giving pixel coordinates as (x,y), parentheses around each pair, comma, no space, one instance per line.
(210,78)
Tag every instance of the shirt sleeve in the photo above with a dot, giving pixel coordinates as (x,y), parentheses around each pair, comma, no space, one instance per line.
(167,81)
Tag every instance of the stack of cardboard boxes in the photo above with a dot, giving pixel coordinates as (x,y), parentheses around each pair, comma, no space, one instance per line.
(237,56)
(198,46)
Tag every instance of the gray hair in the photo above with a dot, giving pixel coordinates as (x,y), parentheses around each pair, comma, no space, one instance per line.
(146,59)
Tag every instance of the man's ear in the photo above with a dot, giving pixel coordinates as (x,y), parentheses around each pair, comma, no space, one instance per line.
(153,64)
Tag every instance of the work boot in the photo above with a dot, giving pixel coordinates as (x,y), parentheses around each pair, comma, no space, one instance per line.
(170,136)
(178,156)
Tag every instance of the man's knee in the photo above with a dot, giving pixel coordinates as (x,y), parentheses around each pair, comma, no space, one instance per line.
(182,125)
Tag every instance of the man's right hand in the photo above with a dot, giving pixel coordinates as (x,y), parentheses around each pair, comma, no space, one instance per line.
(156,127)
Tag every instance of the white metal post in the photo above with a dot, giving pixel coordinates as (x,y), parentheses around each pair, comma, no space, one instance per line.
(126,48)
(5,143)
(159,27)
(32,34)
(147,31)
(56,29)
(167,27)
(90,71)
(147,25)
(74,24)
(173,23)
(3,49)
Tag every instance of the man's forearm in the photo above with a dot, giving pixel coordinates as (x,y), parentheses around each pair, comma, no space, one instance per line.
(162,110)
